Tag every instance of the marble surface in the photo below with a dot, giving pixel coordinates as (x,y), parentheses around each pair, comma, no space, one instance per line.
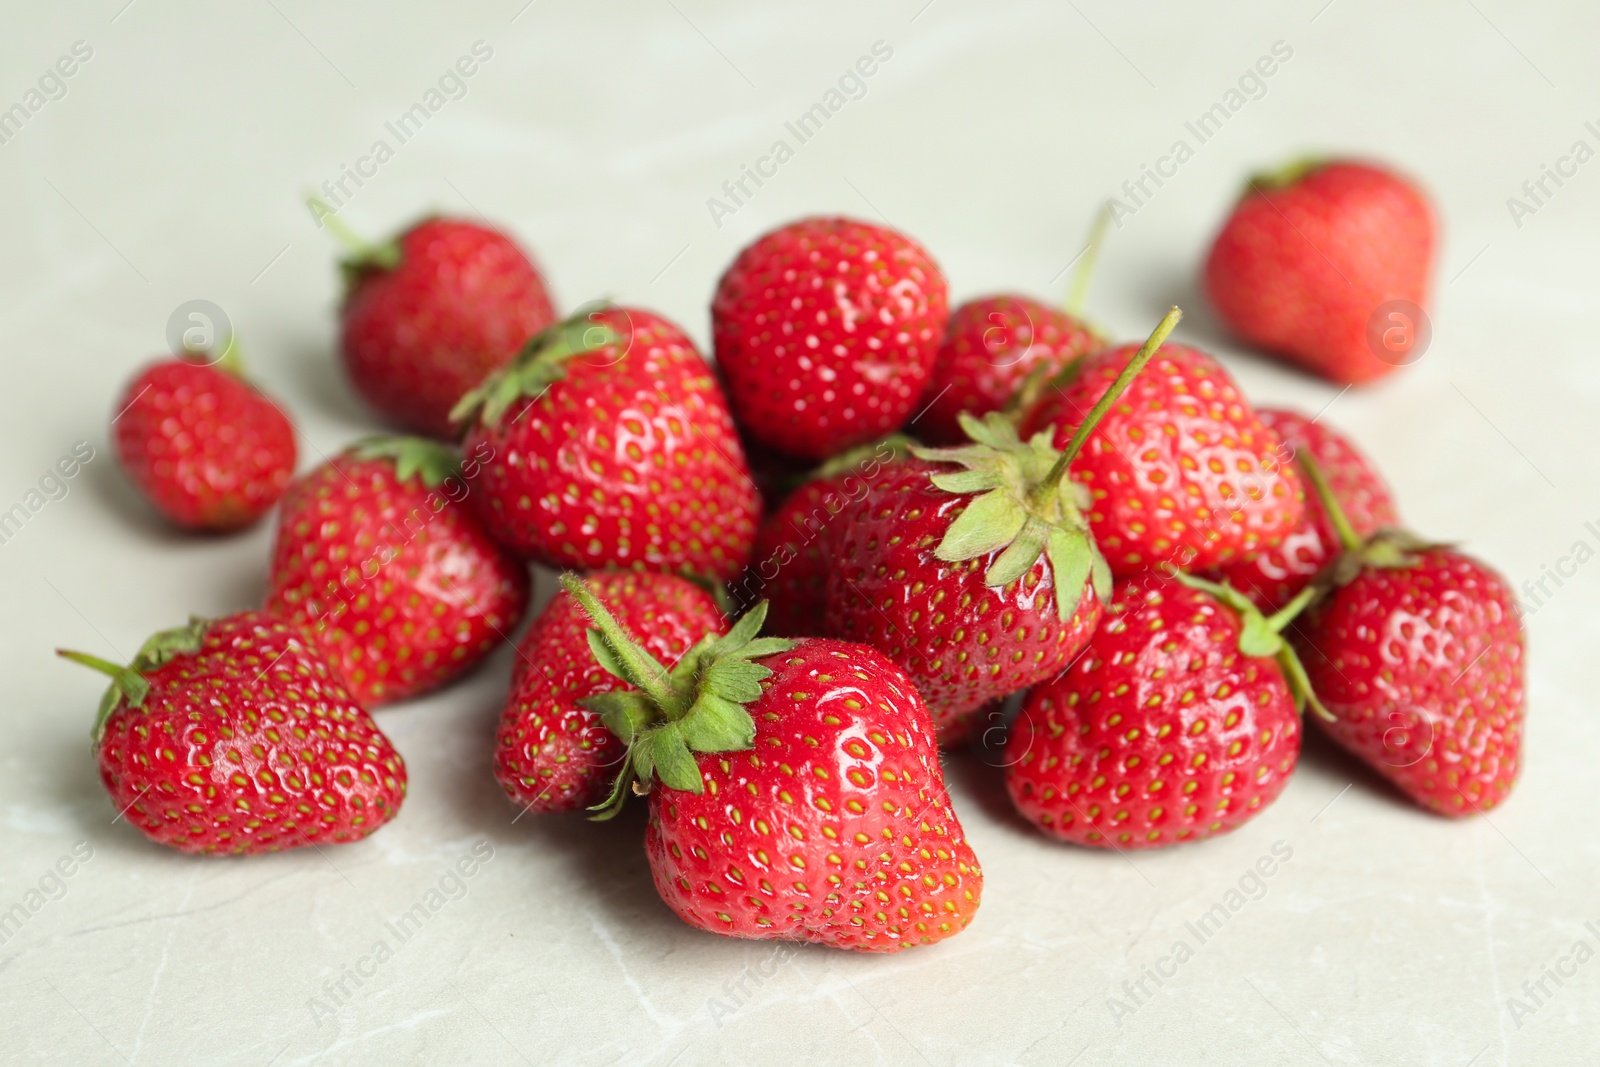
(169,166)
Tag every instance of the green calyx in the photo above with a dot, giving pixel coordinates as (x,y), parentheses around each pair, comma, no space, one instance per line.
(1262,635)
(363,257)
(1283,175)
(432,461)
(128,684)
(1388,548)
(540,364)
(890,449)
(669,715)
(1025,504)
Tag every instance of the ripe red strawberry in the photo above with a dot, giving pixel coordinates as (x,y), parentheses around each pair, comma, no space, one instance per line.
(975,570)
(1277,575)
(1416,652)
(235,736)
(552,754)
(826,332)
(790,565)
(990,347)
(1181,470)
(795,789)
(202,444)
(429,315)
(1175,724)
(613,447)
(381,562)
(1310,256)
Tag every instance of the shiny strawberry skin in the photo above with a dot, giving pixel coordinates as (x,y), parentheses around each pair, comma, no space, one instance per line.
(203,446)
(1422,668)
(789,568)
(551,753)
(1181,469)
(1299,270)
(836,827)
(249,745)
(826,332)
(459,304)
(398,583)
(1161,732)
(990,346)
(1277,575)
(962,643)
(630,461)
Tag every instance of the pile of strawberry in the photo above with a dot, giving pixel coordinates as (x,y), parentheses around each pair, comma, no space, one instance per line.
(790,578)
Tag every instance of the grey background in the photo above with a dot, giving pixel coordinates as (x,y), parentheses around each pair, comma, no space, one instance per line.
(172,170)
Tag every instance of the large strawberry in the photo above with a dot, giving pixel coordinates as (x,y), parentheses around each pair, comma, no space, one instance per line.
(1275,576)
(1176,723)
(991,346)
(202,444)
(1327,265)
(235,736)
(430,314)
(826,332)
(790,565)
(975,570)
(1417,653)
(381,561)
(613,447)
(552,753)
(795,790)
(1181,471)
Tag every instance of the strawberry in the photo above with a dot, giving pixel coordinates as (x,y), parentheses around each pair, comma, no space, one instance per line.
(1327,264)
(427,316)
(235,736)
(991,346)
(975,570)
(1182,471)
(1417,652)
(1277,575)
(206,448)
(1176,723)
(385,567)
(613,447)
(552,754)
(826,332)
(790,564)
(795,790)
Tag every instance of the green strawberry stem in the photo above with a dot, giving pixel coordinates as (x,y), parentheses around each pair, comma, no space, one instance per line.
(697,706)
(1284,174)
(362,252)
(1146,352)
(1263,636)
(126,684)
(1348,538)
(1078,292)
(433,460)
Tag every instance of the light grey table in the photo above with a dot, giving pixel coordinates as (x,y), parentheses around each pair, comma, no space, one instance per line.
(169,167)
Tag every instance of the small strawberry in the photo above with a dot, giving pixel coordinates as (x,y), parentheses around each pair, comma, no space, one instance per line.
(235,736)
(991,346)
(428,316)
(1178,721)
(202,444)
(795,789)
(1417,653)
(826,332)
(552,754)
(1182,471)
(613,447)
(1310,257)
(975,570)
(1277,575)
(382,563)
(998,350)
(790,565)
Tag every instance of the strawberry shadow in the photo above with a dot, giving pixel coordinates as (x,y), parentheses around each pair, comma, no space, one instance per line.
(318,379)
(1328,757)
(107,483)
